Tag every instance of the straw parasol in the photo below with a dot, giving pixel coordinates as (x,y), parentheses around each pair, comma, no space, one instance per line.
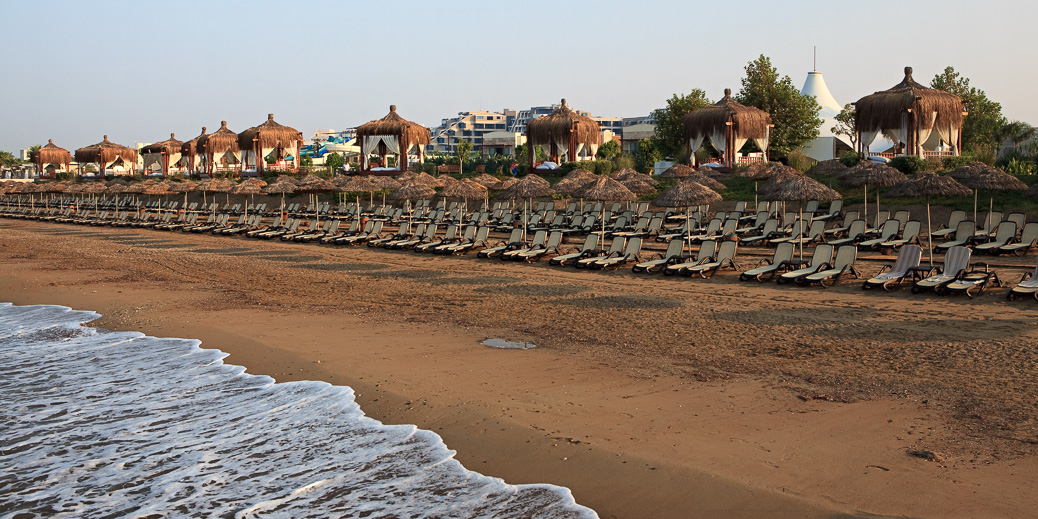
(687,193)
(991,179)
(927,184)
(968,170)
(504,184)
(828,167)
(358,184)
(909,111)
(192,151)
(281,187)
(706,181)
(876,175)
(183,187)
(580,174)
(605,189)
(486,179)
(638,186)
(106,153)
(387,183)
(412,191)
(167,153)
(677,171)
(315,187)
(527,188)
(270,137)
(800,188)
(392,134)
(571,185)
(728,125)
(217,145)
(51,154)
(465,189)
(563,131)
(248,188)
(427,180)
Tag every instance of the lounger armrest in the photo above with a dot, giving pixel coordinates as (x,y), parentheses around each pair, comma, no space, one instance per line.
(883,269)
(762,262)
(1025,277)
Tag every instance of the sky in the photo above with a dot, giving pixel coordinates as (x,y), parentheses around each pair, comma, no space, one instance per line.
(75,71)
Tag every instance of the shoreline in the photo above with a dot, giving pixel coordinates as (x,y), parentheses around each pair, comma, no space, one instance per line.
(715,437)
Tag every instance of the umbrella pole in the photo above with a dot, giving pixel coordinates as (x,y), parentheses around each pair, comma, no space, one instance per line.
(801,237)
(975,206)
(866,205)
(929,240)
(754,193)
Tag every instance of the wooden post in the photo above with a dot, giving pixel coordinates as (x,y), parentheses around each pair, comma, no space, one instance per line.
(530,153)
(573,143)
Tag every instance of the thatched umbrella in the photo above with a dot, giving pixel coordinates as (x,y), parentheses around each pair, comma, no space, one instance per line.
(426,179)
(687,193)
(412,191)
(605,189)
(359,184)
(465,189)
(105,154)
(677,171)
(193,152)
(571,185)
(486,179)
(927,184)
(165,152)
(800,188)
(183,187)
(727,124)
(638,186)
(316,187)
(580,174)
(630,174)
(270,137)
(281,187)
(562,131)
(968,170)
(247,188)
(909,112)
(832,167)
(386,183)
(706,181)
(992,179)
(504,184)
(392,134)
(218,186)
(51,154)
(217,146)
(876,175)
(526,189)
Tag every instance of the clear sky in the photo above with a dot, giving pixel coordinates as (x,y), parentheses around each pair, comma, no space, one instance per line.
(75,71)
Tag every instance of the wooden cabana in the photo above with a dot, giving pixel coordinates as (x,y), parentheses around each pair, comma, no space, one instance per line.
(165,154)
(53,157)
(562,131)
(728,125)
(392,134)
(909,113)
(219,149)
(191,153)
(269,138)
(106,154)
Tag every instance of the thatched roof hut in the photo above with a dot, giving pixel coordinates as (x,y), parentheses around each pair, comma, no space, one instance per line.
(219,147)
(192,152)
(269,138)
(561,132)
(107,154)
(908,113)
(164,153)
(392,134)
(727,124)
(51,155)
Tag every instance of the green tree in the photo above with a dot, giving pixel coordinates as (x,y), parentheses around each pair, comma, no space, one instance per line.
(335,162)
(647,154)
(669,132)
(1016,132)
(609,149)
(846,125)
(795,116)
(980,128)
(462,150)
(8,159)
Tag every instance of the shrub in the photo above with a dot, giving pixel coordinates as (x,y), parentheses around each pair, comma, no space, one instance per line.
(1018,167)
(623,161)
(934,164)
(849,159)
(603,167)
(956,162)
(908,164)
(798,161)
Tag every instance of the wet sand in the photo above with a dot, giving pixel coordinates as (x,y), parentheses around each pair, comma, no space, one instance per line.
(647,396)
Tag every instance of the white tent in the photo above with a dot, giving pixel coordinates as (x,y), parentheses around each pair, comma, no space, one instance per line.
(827,145)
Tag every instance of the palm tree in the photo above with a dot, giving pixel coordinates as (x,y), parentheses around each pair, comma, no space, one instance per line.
(1016,132)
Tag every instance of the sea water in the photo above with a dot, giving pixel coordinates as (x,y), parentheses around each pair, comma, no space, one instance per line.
(117,424)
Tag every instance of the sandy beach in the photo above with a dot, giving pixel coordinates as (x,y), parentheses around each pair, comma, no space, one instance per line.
(647,396)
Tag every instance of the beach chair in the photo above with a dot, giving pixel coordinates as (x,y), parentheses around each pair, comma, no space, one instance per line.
(616,247)
(480,241)
(908,235)
(796,232)
(331,226)
(881,218)
(1004,233)
(704,254)
(891,276)
(467,236)
(278,222)
(291,226)
(944,231)
(972,282)
(1028,239)
(419,238)
(725,256)
(991,221)
(589,247)
(835,209)
(674,254)
(1028,286)
(842,228)
(965,233)
(766,233)
(854,234)
(823,254)
(255,222)
(450,236)
(514,241)
(830,274)
(955,263)
(766,269)
(371,231)
(888,232)
(402,233)
(630,253)
(815,233)
(536,253)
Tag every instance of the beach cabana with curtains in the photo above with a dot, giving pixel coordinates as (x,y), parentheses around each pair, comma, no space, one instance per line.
(392,134)
(191,153)
(51,158)
(107,154)
(561,132)
(269,139)
(219,149)
(909,113)
(728,125)
(164,154)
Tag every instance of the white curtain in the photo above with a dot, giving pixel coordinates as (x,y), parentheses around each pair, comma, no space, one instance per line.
(694,143)
(563,147)
(152,158)
(867,136)
(718,138)
(370,143)
(580,148)
(594,151)
(923,132)
(950,135)
(392,143)
(899,134)
(738,144)
(547,149)
(762,143)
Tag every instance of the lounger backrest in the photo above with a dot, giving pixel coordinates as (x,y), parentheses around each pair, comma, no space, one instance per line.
(538,239)
(730,226)
(334,227)
(956,259)
(377,228)
(452,232)
(784,252)
(955,217)
(817,229)
(762,216)
(788,218)
(620,223)
(589,222)
(823,254)
(740,206)
(857,228)
(991,220)
(590,243)
(706,250)
(654,224)
(369,226)
(714,226)
(1018,218)
(770,226)
(470,231)
(1030,233)
(890,229)
(616,246)
(674,248)
(835,206)
(845,256)
(911,230)
(516,236)
(812,206)
(727,250)
(634,246)
(849,217)
(642,223)
(1006,231)
(881,218)
(965,230)
(762,206)
(902,216)
(554,240)
(798,229)
(908,257)
(354,225)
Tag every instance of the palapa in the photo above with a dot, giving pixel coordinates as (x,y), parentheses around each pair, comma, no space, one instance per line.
(504,184)
(486,179)
(581,174)
(687,193)
(218,145)
(910,107)
(927,184)
(270,137)
(427,179)
(571,185)
(387,183)
(605,189)
(991,179)
(378,137)
(706,181)
(527,187)
(876,175)
(973,168)
(638,186)
(828,167)
(193,152)
(677,171)
(464,189)
(563,131)
(727,119)
(412,191)
(105,154)
(800,188)
(51,154)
